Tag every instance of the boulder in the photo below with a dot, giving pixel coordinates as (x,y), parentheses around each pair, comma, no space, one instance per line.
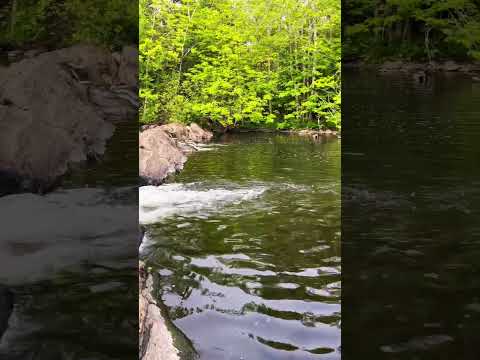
(177,131)
(159,155)
(192,132)
(115,104)
(199,135)
(58,108)
(163,149)
(46,121)
(127,67)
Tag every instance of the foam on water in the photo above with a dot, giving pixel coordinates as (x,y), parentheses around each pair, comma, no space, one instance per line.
(65,229)
(160,202)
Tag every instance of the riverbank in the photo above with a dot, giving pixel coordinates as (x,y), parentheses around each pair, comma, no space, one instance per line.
(313,133)
(164,148)
(163,151)
(400,66)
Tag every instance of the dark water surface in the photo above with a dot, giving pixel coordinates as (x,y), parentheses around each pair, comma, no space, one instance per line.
(410,217)
(70,257)
(246,241)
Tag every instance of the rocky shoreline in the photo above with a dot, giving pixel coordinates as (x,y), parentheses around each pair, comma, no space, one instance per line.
(471,69)
(163,151)
(312,133)
(317,134)
(155,340)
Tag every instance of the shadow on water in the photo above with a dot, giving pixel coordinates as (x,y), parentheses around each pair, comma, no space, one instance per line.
(410,217)
(249,259)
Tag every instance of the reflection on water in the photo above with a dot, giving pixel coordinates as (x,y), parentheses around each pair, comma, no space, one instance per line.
(410,217)
(245,243)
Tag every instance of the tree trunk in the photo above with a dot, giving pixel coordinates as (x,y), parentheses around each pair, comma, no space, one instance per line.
(13,18)
(427,43)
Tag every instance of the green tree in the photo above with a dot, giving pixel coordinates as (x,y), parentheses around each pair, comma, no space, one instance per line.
(57,23)
(412,29)
(267,63)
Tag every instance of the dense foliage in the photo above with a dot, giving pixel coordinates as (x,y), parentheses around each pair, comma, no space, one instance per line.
(56,23)
(412,29)
(249,63)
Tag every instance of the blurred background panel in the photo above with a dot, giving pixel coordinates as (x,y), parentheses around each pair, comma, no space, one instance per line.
(410,198)
(68,179)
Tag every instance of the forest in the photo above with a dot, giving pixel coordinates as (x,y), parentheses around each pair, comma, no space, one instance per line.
(250,63)
(59,23)
(417,30)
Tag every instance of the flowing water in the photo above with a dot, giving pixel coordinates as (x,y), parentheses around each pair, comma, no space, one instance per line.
(410,217)
(70,258)
(246,245)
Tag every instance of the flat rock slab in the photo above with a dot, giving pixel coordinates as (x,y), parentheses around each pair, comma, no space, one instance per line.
(155,341)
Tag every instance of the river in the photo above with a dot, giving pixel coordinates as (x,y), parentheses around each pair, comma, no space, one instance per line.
(246,245)
(70,257)
(410,217)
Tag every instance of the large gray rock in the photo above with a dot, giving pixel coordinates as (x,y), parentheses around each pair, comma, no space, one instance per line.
(58,108)
(159,155)
(127,62)
(197,134)
(163,148)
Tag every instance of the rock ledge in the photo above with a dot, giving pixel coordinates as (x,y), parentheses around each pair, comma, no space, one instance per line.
(155,341)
